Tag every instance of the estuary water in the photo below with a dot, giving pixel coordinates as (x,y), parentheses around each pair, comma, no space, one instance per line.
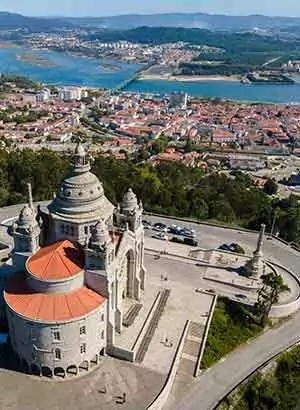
(65,69)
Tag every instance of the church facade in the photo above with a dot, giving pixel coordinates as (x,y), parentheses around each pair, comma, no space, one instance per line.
(76,262)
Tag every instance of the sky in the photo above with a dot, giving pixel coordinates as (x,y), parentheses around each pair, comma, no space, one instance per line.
(107,8)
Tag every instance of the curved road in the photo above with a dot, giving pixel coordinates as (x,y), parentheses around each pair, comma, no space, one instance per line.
(214,384)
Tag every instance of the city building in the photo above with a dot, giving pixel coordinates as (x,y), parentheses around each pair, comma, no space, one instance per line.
(76,262)
(178,100)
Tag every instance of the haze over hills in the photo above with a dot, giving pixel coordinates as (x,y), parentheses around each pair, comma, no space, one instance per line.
(14,21)
(212,22)
(190,20)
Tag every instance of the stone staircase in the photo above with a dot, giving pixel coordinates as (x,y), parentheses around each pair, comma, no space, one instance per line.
(131,314)
(142,350)
(191,349)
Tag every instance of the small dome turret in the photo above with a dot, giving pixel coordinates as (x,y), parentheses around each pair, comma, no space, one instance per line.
(129,202)
(27,217)
(100,233)
(80,151)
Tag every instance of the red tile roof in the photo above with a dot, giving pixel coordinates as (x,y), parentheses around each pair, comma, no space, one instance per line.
(49,307)
(58,261)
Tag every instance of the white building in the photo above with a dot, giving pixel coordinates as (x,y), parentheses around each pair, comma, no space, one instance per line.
(76,264)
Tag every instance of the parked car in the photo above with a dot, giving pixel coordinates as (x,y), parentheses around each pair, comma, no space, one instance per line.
(224,247)
(199,290)
(190,233)
(175,230)
(211,291)
(191,242)
(241,296)
(161,235)
(177,239)
(158,226)
(233,247)
(147,224)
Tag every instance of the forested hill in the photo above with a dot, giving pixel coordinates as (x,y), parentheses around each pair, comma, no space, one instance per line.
(189,20)
(230,41)
(13,21)
(171,189)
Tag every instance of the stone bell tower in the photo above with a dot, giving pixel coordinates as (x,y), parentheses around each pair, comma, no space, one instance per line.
(100,271)
(25,233)
(128,218)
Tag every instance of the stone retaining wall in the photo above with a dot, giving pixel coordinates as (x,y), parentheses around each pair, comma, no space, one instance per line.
(161,399)
(204,338)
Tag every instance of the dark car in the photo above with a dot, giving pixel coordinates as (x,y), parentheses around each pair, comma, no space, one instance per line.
(160,227)
(225,247)
(146,224)
(241,296)
(177,239)
(190,242)
(175,230)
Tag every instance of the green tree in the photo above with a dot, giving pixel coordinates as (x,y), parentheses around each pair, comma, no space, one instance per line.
(270,187)
(159,145)
(268,294)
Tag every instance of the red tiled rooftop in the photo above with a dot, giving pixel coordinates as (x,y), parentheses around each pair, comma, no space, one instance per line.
(58,261)
(49,307)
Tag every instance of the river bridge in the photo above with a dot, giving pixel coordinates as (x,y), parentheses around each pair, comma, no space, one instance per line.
(132,79)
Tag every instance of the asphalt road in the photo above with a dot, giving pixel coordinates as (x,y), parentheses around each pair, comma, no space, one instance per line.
(211,237)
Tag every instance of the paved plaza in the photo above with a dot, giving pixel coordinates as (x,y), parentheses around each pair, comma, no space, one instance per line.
(23,392)
(184,304)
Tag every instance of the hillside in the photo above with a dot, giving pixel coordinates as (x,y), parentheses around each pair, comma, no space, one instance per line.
(232,42)
(190,20)
(13,21)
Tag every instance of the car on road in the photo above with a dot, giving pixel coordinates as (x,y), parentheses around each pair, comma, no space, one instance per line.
(160,235)
(147,224)
(158,226)
(177,239)
(174,229)
(233,247)
(199,290)
(211,291)
(190,242)
(241,296)
(188,233)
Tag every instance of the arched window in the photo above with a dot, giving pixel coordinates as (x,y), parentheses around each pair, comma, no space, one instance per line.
(102,334)
(72,230)
(62,228)
(102,317)
(57,354)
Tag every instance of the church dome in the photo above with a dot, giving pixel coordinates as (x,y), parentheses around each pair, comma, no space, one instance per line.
(129,202)
(81,195)
(27,217)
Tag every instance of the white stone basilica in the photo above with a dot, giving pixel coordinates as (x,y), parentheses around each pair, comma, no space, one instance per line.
(76,262)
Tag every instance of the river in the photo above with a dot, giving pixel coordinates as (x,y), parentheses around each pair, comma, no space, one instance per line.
(66,69)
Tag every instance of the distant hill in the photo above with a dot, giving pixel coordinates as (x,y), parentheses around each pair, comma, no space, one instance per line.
(13,21)
(189,20)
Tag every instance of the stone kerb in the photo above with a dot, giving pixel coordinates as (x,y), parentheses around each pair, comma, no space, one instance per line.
(206,331)
(161,399)
(282,310)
